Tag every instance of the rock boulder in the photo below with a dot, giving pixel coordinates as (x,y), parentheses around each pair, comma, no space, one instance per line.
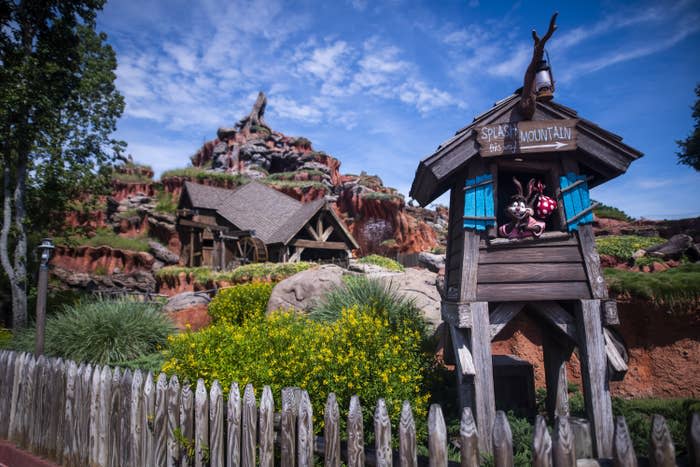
(188,310)
(302,290)
(431,261)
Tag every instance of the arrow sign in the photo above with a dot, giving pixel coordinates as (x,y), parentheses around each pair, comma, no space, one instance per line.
(508,138)
(555,146)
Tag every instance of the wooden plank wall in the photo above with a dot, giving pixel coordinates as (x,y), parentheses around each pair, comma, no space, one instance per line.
(77,415)
(551,270)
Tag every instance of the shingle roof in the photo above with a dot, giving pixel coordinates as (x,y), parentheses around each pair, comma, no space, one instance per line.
(436,173)
(275,217)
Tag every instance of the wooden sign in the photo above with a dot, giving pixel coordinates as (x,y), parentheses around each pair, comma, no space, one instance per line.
(526,137)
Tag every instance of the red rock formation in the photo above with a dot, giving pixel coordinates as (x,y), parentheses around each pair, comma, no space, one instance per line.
(661,345)
(100,260)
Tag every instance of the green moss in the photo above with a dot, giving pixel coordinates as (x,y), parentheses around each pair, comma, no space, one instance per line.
(624,246)
(382,261)
(128,214)
(677,288)
(378,195)
(197,174)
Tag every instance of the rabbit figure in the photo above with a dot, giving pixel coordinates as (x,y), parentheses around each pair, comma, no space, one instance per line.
(520,210)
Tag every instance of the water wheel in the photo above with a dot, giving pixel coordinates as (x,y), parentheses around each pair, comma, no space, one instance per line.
(252,250)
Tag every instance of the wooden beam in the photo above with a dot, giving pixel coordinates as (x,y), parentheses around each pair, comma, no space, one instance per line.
(592,261)
(457,314)
(594,375)
(533,291)
(318,244)
(616,361)
(297,255)
(312,232)
(215,227)
(524,272)
(326,233)
(546,239)
(464,360)
(470,261)
(556,315)
(500,317)
(555,355)
(484,398)
(557,254)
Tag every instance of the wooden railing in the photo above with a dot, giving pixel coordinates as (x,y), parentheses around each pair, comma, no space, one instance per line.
(79,415)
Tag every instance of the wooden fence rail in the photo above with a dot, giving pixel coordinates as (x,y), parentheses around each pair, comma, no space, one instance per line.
(78,414)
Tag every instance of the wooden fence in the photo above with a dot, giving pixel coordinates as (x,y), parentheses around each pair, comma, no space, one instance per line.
(79,415)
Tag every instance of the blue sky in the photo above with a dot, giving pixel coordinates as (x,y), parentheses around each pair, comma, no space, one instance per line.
(380,85)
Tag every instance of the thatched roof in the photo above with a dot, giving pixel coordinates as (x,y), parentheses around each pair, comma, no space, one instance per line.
(274,216)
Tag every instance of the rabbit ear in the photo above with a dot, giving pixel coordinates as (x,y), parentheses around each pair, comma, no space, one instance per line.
(530,186)
(518,186)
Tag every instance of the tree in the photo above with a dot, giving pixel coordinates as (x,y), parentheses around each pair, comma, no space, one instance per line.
(690,147)
(58,109)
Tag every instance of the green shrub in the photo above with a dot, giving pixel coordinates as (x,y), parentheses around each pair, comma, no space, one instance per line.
(304,185)
(624,246)
(677,288)
(380,298)
(292,175)
(165,203)
(5,338)
(610,212)
(638,412)
(197,174)
(273,272)
(239,303)
(131,177)
(357,354)
(382,261)
(102,331)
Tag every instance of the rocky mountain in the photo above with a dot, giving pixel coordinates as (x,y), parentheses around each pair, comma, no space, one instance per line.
(376,214)
(120,240)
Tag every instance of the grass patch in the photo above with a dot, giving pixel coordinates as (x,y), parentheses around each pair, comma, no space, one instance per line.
(677,288)
(382,261)
(194,173)
(374,296)
(128,214)
(273,272)
(131,177)
(165,203)
(624,246)
(303,184)
(381,196)
(291,175)
(106,237)
(610,212)
(102,332)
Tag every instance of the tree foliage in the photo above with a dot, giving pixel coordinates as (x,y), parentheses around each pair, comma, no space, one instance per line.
(58,108)
(690,147)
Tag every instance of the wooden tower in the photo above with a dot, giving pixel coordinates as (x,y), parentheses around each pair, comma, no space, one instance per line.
(556,276)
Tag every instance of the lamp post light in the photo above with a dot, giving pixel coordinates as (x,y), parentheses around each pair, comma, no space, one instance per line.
(544,83)
(46,248)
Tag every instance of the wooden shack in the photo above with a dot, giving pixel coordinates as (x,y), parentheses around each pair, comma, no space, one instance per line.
(556,277)
(221,228)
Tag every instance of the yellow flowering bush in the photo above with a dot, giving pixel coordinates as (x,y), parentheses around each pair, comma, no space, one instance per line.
(240,303)
(357,354)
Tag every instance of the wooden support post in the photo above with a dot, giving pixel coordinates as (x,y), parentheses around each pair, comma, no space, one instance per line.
(555,355)
(484,399)
(191,258)
(594,374)
(592,262)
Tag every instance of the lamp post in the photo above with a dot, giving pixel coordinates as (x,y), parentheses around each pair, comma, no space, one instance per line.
(46,248)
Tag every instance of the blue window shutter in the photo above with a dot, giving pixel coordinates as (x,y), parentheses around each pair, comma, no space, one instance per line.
(577,201)
(478,203)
